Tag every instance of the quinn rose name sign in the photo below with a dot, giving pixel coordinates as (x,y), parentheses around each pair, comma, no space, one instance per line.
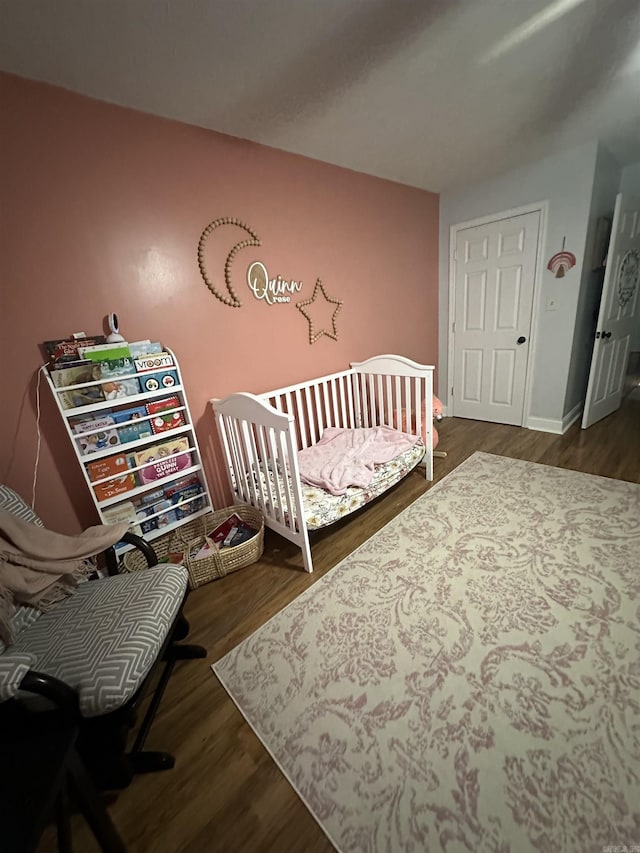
(272,290)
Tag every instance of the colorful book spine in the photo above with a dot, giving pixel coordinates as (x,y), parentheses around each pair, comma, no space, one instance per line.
(168,458)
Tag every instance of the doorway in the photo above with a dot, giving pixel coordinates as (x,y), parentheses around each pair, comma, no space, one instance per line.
(617,315)
(494,269)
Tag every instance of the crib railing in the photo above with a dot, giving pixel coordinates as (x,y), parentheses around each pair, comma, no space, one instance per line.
(317,404)
(404,402)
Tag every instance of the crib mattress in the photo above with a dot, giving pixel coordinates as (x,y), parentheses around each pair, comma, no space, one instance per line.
(322,508)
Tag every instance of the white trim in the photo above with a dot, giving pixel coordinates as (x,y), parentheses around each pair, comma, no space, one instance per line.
(555,426)
(572,416)
(541,207)
(545,425)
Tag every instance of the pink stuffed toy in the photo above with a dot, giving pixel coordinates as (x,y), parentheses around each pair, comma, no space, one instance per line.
(411,428)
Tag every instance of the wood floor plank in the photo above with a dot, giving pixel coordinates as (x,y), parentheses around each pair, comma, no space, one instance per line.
(225,792)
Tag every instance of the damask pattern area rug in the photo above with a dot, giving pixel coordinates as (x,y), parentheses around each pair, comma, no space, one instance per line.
(469,678)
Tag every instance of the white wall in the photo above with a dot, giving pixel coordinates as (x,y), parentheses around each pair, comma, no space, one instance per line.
(630,183)
(603,200)
(630,179)
(565,181)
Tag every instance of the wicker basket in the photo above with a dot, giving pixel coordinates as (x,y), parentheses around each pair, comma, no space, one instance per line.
(217,564)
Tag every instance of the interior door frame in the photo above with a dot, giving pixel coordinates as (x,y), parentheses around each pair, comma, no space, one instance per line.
(543,208)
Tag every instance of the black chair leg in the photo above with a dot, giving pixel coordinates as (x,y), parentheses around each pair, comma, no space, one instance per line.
(181,628)
(92,807)
(63,822)
(174,652)
(151,761)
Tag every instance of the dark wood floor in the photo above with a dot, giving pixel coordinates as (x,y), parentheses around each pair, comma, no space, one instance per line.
(225,793)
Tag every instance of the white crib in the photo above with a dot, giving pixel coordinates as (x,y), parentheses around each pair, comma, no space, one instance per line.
(262,434)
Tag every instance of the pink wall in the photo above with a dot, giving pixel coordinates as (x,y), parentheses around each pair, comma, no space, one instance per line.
(102,210)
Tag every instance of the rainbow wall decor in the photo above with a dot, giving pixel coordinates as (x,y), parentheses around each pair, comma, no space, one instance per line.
(561,262)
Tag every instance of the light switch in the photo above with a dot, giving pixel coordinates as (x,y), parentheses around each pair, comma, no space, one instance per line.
(551,303)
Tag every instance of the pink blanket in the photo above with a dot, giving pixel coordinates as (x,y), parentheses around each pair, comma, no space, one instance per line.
(346,457)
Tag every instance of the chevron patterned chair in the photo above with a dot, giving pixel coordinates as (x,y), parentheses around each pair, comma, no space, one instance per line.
(93,654)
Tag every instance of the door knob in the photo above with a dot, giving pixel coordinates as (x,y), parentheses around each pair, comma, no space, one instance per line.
(521,339)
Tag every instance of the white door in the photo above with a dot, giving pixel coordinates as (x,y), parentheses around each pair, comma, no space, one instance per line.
(495,268)
(618,310)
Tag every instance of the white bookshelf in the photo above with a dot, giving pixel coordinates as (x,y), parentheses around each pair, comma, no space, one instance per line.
(167,518)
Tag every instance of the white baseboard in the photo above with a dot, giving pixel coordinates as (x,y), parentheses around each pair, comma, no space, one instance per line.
(555,426)
(572,416)
(544,425)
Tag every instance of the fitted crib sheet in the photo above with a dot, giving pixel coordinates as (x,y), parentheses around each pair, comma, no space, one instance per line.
(322,508)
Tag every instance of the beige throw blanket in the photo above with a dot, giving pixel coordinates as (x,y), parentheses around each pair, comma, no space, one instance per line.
(39,567)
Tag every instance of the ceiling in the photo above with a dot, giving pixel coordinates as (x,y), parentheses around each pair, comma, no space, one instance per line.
(432,93)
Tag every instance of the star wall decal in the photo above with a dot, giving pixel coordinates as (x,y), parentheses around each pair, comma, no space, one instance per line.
(301,306)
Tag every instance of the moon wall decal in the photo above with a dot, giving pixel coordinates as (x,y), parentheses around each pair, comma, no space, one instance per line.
(232,300)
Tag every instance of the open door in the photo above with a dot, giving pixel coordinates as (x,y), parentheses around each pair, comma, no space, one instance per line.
(616,318)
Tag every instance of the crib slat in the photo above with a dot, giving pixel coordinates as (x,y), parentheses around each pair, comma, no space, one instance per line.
(233,458)
(301,421)
(365,407)
(407,406)
(334,399)
(310,413)
(385,416)
(327,404)
(372,401)
(352,422)
(343,418)
(228,452)
(318,410)
(355,388)
(285,485)
(274,455)
(240,468)
(395,401)
(254,461)
(288,404)
(246,460)
(263,469)
(289,407)
(272,507)
(378,413)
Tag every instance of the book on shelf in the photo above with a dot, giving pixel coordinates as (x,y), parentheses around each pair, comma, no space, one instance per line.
(137,424)
(153,496)
(120,387)
(68,363)
(162,511)
(109,466)
(83,375)
(154,362)
(158,381)
(187,499)
(63,350)
(178,490)
(165,460)
(124,511)
(139,349)
(96,434)
(110,368)
(164,420)
(106,352)
(115,486)
(155,406)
